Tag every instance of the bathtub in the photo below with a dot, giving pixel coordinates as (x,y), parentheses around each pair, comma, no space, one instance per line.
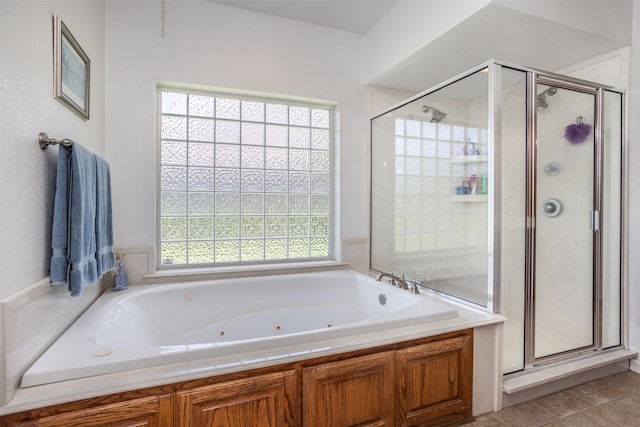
(173,323)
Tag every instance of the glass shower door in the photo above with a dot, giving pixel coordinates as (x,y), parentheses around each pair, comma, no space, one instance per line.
(565,222)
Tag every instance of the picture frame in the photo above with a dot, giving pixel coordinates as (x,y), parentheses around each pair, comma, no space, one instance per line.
(71,70)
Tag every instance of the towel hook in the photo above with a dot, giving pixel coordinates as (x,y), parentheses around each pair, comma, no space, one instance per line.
(44,141)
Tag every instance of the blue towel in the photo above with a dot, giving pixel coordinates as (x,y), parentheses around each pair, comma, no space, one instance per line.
(82,235)
(105,257)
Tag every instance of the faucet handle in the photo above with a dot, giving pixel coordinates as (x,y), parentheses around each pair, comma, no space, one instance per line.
(413,286)
(403,282)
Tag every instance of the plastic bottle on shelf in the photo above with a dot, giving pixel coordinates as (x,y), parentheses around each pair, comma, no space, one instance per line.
(483,183)
(474,182)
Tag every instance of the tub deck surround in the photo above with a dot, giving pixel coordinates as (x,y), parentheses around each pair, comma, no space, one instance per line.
(149,326)
(402,313)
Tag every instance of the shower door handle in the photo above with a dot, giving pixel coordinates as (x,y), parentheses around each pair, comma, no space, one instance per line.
(595,220)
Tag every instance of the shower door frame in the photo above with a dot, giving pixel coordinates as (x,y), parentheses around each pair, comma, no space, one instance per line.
(534,78)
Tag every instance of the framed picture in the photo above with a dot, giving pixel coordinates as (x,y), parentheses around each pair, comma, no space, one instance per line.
(71,70)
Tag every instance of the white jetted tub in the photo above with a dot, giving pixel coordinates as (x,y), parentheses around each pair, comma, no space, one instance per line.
(152,325)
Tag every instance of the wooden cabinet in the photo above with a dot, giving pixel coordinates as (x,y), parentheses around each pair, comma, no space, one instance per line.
(143,412)
(433,384)
(423,382)
(263,401)
(358,391)
(422,385)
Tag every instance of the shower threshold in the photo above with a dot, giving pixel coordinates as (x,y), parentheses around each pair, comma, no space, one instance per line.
(524,386)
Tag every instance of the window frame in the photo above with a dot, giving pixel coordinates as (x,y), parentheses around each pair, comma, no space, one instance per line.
(244,95)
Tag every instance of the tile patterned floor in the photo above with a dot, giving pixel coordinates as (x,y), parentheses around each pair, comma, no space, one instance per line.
(609,402)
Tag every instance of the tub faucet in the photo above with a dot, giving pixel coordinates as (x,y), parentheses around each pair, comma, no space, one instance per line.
(394,280)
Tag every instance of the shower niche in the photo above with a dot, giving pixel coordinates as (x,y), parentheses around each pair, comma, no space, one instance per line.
(502,187)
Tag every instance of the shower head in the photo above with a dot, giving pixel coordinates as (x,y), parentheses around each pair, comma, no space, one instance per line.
(541,99)
(541,102)
(437,115)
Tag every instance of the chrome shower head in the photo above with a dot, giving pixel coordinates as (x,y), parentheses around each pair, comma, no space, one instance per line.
(541,99)
(541,102)
(437,115)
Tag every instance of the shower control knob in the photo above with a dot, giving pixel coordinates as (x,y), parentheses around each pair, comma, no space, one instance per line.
(552,207)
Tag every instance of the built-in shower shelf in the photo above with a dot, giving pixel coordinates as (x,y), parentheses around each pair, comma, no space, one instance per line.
(469,198)
(469,159)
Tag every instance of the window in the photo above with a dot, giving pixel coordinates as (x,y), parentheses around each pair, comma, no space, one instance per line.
(243,180)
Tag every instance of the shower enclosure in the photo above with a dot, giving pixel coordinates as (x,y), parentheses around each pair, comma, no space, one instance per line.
(503,187)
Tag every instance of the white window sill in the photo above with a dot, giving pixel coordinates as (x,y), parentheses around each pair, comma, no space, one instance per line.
(241,271)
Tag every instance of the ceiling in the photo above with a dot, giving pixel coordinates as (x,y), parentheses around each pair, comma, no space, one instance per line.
(520,39)
(495,31)
(356,16)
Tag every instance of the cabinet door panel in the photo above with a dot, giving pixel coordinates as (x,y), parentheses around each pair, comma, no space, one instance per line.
(263,401)
(144,412)
(352,392)
(434,386)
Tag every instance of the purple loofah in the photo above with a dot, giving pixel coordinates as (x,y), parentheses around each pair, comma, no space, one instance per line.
(577,132)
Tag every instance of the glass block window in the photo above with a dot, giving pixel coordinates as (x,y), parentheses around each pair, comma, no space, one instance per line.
(432,160)
(242,180)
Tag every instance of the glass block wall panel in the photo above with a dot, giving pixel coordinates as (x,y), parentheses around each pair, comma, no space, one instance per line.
(227,108)
(299,116)
(199,106)
(277,113)
(174,103)
(276,204)
(276,226)
(173,203)
(201,154)
(174,127)
(174,152)
(253,111)
(431,161)
(244,180)
(201,129)
(252,250)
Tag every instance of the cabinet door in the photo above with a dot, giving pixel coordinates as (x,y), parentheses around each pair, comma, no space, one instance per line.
(434,382)
(262,401)
(358,391)
(143,412)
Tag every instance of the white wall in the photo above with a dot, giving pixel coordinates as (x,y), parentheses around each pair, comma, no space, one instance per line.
(27,175)
(408,27)
(608,18)
(213,45)
(27,108)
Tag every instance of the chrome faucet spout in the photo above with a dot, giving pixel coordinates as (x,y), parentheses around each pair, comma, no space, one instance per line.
(393,279)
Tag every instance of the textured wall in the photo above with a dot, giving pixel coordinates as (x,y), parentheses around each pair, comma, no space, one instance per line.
(27,175)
